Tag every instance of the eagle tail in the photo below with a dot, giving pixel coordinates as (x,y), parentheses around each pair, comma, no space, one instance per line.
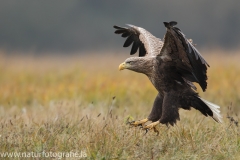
(215,110)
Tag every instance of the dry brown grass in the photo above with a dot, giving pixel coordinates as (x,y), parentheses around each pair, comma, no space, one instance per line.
(66,104)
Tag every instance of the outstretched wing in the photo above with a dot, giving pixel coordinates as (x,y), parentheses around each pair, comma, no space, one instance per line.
(189,62)
(141,39)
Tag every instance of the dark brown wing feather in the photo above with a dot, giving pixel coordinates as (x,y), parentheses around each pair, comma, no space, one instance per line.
(141,40)
(189,61)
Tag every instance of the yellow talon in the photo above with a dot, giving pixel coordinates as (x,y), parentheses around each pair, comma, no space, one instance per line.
(139,122)
(151,126)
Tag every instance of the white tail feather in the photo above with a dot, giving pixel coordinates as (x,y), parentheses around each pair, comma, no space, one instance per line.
(215,109)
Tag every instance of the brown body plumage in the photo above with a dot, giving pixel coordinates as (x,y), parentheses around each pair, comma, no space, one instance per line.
(171,65)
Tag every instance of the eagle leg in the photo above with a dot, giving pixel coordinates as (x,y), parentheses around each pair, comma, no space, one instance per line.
(139,122)
(151,126)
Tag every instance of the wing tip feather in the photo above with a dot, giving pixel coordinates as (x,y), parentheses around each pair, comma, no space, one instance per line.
(170,24)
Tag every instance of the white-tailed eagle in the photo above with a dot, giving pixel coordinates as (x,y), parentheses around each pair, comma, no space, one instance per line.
(171,65)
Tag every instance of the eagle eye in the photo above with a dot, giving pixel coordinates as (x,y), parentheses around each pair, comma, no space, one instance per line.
(129,62)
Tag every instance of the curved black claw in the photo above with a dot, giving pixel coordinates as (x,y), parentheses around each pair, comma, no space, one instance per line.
(131,123)
(151,126)
(146,131)
(154,129)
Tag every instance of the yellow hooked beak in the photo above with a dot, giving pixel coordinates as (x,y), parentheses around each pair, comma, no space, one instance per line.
(122,66)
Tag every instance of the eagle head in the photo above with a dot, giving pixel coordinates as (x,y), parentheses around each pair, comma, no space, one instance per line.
(137,64)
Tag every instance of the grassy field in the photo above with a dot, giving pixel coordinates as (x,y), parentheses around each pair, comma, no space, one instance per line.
(82,103)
